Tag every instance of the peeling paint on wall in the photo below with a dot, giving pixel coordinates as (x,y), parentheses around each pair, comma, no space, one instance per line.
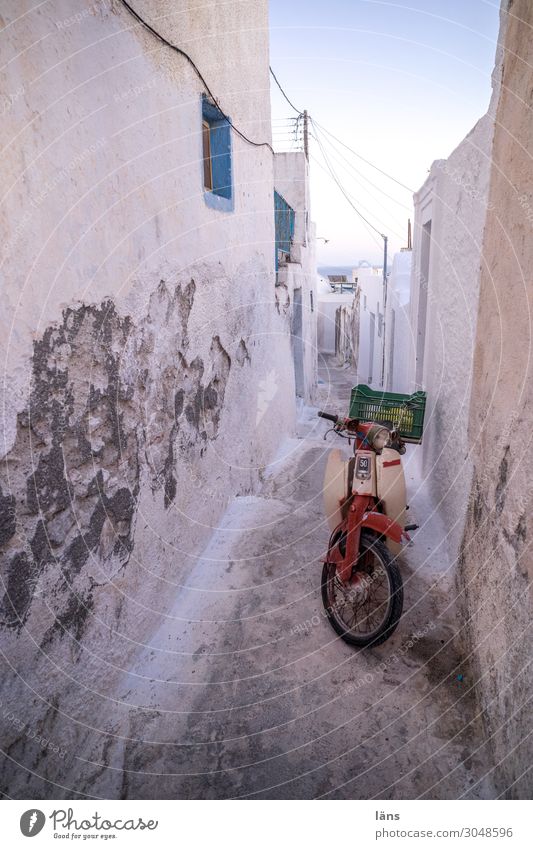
(72,479)
(146,335)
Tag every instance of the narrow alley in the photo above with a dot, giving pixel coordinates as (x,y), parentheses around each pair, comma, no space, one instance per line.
(217,221)
(246,691)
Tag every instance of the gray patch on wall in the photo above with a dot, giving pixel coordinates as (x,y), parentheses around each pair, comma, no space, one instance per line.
(68,498)
(242,356)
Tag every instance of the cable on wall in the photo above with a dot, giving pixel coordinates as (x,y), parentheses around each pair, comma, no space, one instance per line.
(299,111)
(198,73)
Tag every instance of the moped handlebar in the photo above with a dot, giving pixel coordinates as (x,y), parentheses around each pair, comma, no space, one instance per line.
(329,416)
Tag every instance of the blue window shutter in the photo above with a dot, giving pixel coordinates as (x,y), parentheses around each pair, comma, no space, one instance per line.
(284,226)
(221,194)
(221,158)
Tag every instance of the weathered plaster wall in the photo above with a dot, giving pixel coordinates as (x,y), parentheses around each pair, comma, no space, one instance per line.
(371,339)
(103,176)
(148,371)
(496,564)
(291,179)
(347,332)
(328,304)
(398,336)
(450,211)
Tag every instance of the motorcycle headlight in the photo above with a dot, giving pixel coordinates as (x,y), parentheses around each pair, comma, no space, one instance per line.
(379,438)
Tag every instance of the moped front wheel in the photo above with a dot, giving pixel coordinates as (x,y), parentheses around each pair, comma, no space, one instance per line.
(365,611)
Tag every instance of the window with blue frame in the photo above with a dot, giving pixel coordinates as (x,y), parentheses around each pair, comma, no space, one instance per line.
(284,228)
(217,165)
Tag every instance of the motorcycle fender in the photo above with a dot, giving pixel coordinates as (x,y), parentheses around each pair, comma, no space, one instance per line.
(383,525)
(336,486)
(391,490)
(334,556)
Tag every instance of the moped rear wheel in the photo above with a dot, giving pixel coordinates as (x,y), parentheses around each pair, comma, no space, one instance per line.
(366,610)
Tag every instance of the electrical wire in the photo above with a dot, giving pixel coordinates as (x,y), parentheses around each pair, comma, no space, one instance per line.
(342,189)
(352,167)
(199,74)
(316,127)
(367,161)
(299,111)
(381,223)
(387,228)
(369,231)
(354,152)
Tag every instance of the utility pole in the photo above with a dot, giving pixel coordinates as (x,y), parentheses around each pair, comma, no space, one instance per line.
(306,134)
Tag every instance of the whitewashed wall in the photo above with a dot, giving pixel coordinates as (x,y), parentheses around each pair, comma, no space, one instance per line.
(371,326)
(146,360)
(299,276)
(444,299)
(496,566)
(399,339)
(328,304)
(450,213)
(347,333)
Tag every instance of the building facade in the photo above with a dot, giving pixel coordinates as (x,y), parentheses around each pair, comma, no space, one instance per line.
(370,362)
(296,279)
(148,361)
(338,321)
(496,566)
(470,314)
(397,324)
(450,212)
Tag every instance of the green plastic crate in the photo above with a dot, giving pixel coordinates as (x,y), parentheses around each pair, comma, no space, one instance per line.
(403,412)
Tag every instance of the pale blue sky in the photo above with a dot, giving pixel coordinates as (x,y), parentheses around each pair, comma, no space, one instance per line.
(401,83)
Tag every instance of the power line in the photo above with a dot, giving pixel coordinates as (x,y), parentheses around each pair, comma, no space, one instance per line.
(299,111)
(199,74)
(381,223)
(341,187)
(352,167)
(354,152)
(322,168)
(367,161)
(387,228)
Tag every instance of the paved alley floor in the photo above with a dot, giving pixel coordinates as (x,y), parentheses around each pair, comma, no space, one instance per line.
(249,693)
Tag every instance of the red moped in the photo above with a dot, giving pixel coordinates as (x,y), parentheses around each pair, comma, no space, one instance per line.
(365,503)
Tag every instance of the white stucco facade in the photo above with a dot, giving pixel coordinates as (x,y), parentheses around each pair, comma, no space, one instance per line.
(106,188)
(398,335)
(496,564)
(329,302)
(147,356)
(371,326)
(297,279)
(450,213)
